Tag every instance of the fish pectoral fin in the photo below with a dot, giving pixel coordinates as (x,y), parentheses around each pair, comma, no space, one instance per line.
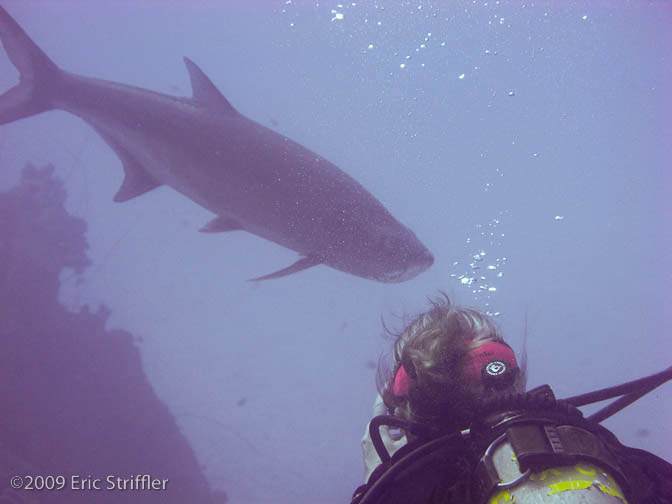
(204,91)
(137,180)
(301,264)
(220,225)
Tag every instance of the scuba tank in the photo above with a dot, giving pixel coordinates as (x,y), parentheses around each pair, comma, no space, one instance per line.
(546,452)
(581,482)
(524,448)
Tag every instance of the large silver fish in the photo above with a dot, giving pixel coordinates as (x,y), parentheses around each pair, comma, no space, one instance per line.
(251,177)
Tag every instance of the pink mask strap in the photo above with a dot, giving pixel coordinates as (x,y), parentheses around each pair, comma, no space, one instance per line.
(400,383)
(477,358)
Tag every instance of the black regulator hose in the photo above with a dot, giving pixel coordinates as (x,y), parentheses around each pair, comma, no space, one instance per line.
(625,388)
(654,382)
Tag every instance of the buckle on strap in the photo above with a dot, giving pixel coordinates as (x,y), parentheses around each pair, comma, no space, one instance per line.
(540,447)
(537,447)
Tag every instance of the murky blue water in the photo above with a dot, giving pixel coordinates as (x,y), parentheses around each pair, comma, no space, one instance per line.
(526,146)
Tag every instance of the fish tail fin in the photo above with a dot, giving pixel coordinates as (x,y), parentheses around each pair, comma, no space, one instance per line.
(38,74)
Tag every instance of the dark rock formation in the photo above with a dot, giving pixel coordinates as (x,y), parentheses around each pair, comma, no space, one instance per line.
(74,400)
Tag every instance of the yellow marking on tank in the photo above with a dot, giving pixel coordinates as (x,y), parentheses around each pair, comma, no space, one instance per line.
(587,472)
(612,491)
(544,475)
(564,486)
(504,496)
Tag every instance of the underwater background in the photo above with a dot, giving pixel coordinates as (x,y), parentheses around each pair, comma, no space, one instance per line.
(527,144)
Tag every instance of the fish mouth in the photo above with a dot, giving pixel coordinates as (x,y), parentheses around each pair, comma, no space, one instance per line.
(422,263)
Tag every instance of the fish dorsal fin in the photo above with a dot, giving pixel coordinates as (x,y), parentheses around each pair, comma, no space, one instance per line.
(204,91)
(220,225)
(300,265)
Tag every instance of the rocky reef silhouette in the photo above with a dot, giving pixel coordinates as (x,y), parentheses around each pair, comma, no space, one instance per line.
(74,399)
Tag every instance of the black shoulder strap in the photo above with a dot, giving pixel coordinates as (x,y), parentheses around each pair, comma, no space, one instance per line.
(649,476)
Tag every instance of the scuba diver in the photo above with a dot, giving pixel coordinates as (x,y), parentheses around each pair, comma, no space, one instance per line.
(453,424)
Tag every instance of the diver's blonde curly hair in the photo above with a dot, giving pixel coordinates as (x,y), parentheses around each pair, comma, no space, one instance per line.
(432,348)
